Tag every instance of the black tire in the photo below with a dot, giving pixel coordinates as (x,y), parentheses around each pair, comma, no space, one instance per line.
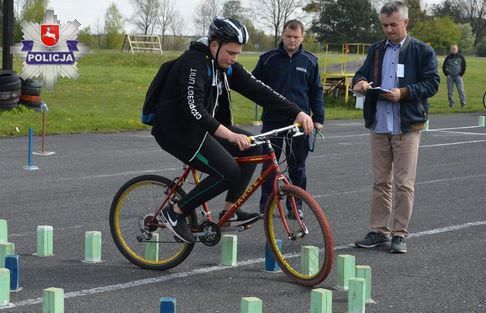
(136,200)
(9,95)
(287,252)
(7,77)
(484,100)
(15,85)
(8,106)
(31,91)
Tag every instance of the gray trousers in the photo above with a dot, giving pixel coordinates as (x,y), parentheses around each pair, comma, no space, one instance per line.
(460,89)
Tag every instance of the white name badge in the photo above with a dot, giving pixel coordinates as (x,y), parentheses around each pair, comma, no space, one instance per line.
(400,71)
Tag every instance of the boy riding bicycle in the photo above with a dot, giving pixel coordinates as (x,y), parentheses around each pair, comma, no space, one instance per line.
(193,121)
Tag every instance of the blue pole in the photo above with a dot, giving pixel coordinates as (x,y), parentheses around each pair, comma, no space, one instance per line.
(29,156)
(29,165)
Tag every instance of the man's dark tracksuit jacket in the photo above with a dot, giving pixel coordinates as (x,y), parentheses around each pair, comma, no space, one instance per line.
(296,77)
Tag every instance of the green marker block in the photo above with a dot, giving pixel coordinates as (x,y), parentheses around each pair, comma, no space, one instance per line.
(6,248)
(482,121)
(4,287)
(53,300)
(45,239)
(321,301)
(151,249)
(229,249)
(309,260)
(92,247)
(364,271)
(3,231)
(345,269)
(251,305)
(356,295)
(426,125)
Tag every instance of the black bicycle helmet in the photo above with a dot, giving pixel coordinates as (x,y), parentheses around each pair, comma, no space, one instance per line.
(228,30)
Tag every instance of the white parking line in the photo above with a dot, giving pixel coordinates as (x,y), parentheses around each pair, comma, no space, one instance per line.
(205,270)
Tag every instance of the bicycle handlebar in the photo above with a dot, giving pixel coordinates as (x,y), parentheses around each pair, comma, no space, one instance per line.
(294,129)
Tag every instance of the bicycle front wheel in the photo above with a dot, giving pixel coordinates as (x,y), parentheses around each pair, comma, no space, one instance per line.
(304,250)
(484,100)
(147,246)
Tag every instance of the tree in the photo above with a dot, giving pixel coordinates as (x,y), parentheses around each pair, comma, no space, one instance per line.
(347,21)
(30,11)
(113,27)
(274,13)
(145,15)
(177,28)
(439,32)
(415,13)
(233,9)
(205,12)
(466,41)
(465,11)
(167,17)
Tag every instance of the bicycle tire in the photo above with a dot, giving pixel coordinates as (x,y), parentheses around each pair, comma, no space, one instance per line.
(288,256)
(133,202)
(484,100)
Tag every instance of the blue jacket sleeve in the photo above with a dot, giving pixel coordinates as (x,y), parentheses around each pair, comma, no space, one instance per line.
(316,99)
(428,78)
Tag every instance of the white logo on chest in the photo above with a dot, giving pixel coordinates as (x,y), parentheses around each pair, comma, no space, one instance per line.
(302,69)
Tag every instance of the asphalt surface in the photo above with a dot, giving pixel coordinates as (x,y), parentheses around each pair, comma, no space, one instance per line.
(443,270)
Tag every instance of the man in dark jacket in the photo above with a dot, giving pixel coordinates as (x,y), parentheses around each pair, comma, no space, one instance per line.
(407,68)
(294,73)
(454,67)
(193,120)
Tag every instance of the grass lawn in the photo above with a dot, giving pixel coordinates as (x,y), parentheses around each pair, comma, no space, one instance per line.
(111,88)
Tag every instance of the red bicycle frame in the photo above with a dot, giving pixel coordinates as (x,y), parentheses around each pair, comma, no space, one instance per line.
(272,168)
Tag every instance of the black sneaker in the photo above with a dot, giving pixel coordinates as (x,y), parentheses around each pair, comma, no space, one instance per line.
(177,224)
(373,239)
(291,215)
(398,244)
(241,218)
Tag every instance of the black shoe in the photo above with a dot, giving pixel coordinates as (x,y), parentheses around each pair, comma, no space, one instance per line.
(373,239)
(177,224)
(462,105)
(241,218)
(398,244)
(291,215)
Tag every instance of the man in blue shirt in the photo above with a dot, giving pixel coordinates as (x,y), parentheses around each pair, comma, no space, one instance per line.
(294,73)
(408,68)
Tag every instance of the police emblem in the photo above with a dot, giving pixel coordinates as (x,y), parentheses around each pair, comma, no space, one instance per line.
(50,50)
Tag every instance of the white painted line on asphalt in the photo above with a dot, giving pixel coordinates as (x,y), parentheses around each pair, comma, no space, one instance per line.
(452,128)
(451,143)
(34,231)
(205,270)
(125,173)
(462,133)
(426,182)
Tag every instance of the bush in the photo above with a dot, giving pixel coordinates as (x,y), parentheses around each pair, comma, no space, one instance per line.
(481,48)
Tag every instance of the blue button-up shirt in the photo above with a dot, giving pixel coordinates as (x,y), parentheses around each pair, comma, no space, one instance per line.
(388,113)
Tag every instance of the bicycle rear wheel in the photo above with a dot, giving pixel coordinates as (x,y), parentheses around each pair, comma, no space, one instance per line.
(306,257)
(147,246)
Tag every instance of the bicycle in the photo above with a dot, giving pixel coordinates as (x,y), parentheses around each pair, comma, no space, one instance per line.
(135,215)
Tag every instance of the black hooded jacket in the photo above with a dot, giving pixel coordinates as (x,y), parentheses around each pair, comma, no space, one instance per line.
(196,99)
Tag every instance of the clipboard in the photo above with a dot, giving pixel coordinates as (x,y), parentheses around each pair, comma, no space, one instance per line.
(376,91)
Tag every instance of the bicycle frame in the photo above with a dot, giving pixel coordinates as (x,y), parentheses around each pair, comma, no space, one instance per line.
(273,168)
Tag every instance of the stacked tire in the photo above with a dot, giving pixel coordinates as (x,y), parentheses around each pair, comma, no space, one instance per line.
(31,90)
(10,88)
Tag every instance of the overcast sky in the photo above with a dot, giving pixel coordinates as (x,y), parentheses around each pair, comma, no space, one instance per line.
(88,12)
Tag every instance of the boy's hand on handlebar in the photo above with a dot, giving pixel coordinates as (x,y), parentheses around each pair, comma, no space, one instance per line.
(240,140)
(306,122)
